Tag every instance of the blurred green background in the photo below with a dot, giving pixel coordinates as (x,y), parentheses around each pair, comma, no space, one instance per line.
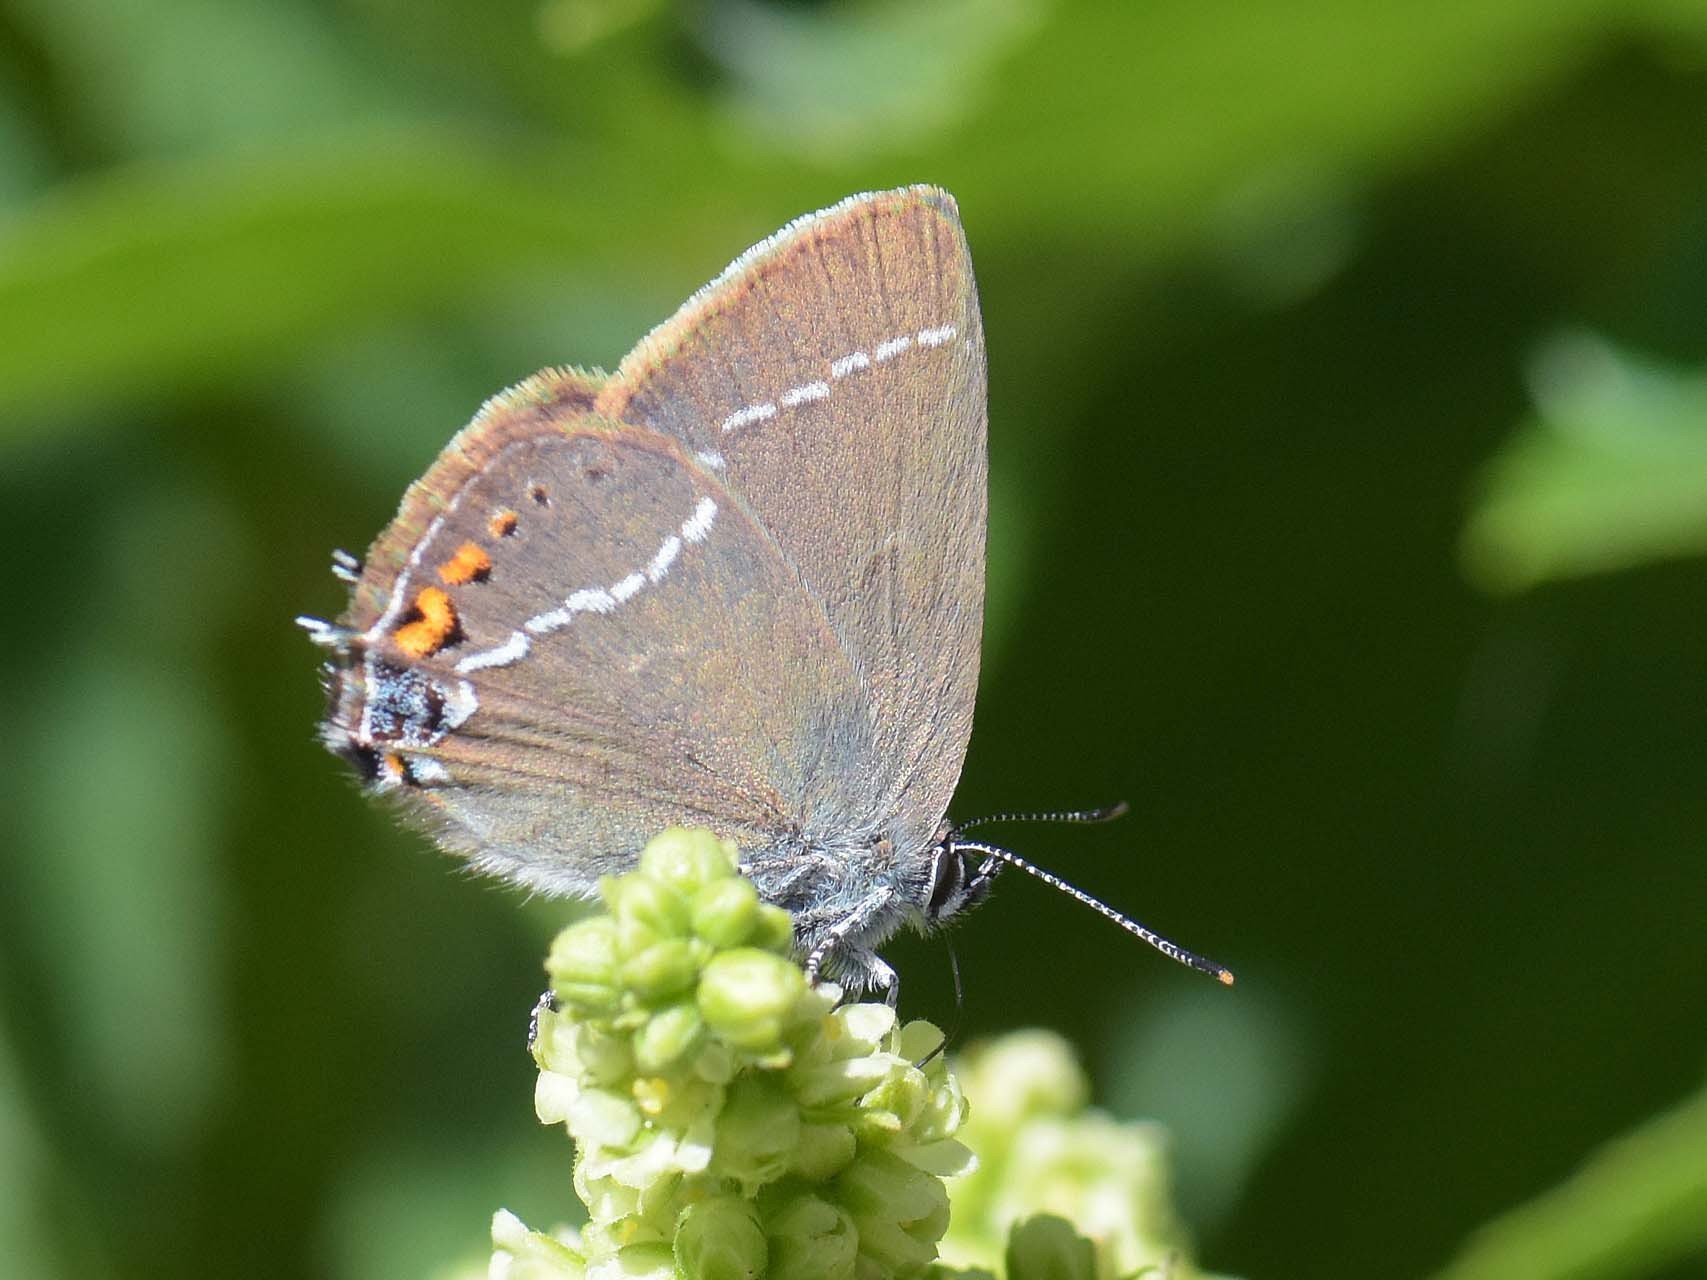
(1348,381)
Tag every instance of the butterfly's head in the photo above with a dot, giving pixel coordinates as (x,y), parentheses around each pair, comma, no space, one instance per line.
(959,881)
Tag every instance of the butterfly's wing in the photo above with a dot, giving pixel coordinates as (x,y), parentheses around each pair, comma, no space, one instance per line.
(739,582)
(573,636)
(833,379)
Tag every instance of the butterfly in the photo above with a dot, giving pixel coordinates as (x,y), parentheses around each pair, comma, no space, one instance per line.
(739,582)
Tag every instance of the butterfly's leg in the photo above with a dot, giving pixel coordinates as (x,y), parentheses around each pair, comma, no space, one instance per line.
(851,925)
(861,971)
(881,976)
(781,882)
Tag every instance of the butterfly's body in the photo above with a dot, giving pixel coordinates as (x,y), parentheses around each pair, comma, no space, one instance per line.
(738,582)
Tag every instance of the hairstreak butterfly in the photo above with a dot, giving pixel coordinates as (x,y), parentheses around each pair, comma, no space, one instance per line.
(738,582)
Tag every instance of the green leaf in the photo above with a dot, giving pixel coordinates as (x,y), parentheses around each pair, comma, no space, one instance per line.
(1637,1205)
(850,80)
(163,275)
(1611,473)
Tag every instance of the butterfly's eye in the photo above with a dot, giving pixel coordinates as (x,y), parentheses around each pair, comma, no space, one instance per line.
(948,879)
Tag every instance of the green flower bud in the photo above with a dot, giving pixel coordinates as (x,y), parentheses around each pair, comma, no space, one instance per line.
(830,1083)
(756,1134)
(726,913)
(945,1158)
(811,1239)
(634,936)
(884,1187)
(1044,1247)
(934,1225)
(604,1118)
(601,1056)
(1030,1073)
(715,1062)
(748,997)
(669,1035)
(823,1151)
(856,1030)
(553,1038)
(553,1095)
(663,970)
(520,1254)
(583,964)
(919,1039)
(890,1249)
(687,859)
(607,1201)
(649,1261)
(945,1112)
(775,931)
(720,1240)
(638,900)
(1037,1151)
(903,1094)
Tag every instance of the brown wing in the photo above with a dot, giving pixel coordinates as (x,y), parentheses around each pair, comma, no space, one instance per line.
(574,636)
(833,378)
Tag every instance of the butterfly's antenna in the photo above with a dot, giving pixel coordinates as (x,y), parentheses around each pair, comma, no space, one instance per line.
(1170,949)
(1106,814)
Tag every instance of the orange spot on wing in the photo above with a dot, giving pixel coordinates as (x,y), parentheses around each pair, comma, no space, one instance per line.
(394,766)
(432,626)
(502,523)
(469,564)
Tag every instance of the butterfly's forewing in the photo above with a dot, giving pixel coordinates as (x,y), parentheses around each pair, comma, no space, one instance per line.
(740,582)
(833,377)
(574,636)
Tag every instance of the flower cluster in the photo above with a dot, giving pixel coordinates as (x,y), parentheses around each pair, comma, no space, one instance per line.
(730,1121)
(1045,1162)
